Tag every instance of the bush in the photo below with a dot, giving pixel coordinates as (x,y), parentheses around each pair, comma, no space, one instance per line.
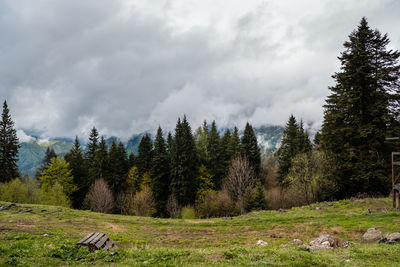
(14,191)
(216,204)
(52,196)
(144,203)
(125,203)
(100,197)
(188,212)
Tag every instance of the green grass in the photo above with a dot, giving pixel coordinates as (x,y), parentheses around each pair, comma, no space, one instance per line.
(48,239)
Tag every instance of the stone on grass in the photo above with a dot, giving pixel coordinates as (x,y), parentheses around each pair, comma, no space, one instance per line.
(262,243)
(347,244)
(373,235)
(323,242)
(391,238)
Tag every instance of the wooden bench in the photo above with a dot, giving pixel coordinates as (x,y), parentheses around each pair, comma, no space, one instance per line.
(95,241)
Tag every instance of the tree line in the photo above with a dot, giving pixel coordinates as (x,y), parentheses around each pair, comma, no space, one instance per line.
(222,174)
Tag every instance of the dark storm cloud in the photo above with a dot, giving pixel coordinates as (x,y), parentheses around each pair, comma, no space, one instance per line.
(128,66)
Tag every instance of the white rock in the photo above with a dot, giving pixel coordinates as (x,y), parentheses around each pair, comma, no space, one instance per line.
(373,235)
(262,243)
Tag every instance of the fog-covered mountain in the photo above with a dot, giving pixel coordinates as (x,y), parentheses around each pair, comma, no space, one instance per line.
(32,152)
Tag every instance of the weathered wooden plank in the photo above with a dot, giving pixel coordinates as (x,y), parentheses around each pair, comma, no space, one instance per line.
(397,163)
(85,238)
(101,243)
(96,239)
(87,242)
(110,244)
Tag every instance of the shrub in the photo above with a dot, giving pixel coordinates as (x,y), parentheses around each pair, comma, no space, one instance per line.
(188,212)
(14,191)
(216,204)
(52,196)
(100,197)
(144,203)
(125,203)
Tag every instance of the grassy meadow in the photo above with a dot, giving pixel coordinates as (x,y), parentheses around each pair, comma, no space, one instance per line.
(46,237)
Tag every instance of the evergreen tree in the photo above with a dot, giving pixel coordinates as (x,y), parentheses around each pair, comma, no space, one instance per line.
(234,144)
(91,153)
(214,164)
(225,155)
(49,154)
(184,164)
(160,174)
(131,160)
(100,167)
(143,160)
(9,146)
(250,148)
(289,148)
(117,176)
(200,137)
(317,138)
(303,140)
(360,109)
(123,156)
(79,172)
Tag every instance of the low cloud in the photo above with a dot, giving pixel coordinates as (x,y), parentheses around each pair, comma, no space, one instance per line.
(129,66)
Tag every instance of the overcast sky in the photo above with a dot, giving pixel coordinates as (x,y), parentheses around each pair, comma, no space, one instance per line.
(129,66)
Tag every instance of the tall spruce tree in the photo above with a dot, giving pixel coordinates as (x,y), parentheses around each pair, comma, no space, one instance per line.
(100,167)
(234,144)
(90,155)
(214,164)
(360,109)
(79,171)
(160,174)
(117,168)
(143,160)
(303,140)
(288,149)
(250,148)
(184,164)
(9,146)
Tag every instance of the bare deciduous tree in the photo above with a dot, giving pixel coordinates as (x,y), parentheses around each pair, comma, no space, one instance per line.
(100,197)
(173,207)
(240,177)
(144,203)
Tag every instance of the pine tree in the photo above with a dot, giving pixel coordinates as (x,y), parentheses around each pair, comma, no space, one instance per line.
(288,149)
(234,144)
(160,174)
(9,146)
(225,155)
(49,154)
(91,153)
(200,137)
(250,148)
(143,160)
(79,171)
(303,140)
(117,169)
(131,160)
(184,164)
(360,109)
(214,164)
(100,167)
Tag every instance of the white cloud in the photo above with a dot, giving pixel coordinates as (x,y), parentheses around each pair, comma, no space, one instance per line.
(129,66)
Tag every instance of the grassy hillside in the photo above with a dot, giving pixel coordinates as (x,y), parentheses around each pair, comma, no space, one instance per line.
(45,238)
